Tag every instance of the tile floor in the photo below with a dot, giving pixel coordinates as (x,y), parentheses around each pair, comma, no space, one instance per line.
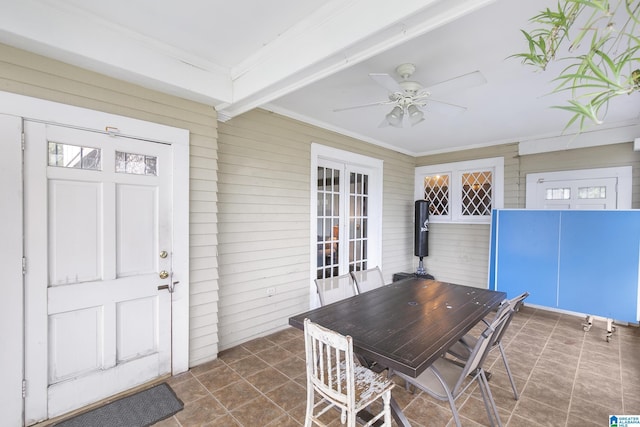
(566,377)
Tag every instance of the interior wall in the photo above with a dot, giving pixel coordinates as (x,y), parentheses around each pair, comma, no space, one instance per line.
(264,215)
(36,76)
(459,253)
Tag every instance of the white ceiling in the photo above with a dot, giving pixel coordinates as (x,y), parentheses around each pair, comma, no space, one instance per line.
(305,58)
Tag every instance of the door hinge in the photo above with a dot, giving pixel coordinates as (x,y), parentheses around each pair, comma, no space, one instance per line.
(24,266)
(24,389)
(22,141)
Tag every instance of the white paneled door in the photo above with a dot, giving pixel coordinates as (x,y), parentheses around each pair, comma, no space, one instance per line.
(588,189)
(98,248)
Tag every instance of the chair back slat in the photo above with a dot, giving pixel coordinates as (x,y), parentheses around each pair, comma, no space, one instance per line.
(330,362)
(366,280)
(516,303)
(333,289)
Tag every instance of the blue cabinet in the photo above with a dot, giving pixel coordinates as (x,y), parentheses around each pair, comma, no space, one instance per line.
(580,261)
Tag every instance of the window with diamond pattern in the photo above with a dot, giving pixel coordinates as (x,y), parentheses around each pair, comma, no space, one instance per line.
(476,193)
(463,191)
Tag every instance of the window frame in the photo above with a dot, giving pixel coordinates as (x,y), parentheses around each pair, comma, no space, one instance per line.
(455,170)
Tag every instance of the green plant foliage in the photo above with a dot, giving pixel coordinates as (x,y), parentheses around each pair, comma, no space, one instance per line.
(600,41)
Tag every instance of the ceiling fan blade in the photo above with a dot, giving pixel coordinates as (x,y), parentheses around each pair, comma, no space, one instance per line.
(445,108)
(465,81)
(386,81)
(373,104)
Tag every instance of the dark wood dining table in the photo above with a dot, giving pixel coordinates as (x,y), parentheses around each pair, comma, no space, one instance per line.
(407,324)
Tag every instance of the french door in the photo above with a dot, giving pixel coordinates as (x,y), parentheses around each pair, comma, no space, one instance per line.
(347,217)
(99,259)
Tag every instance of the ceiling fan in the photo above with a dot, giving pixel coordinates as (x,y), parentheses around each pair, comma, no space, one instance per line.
(409,97)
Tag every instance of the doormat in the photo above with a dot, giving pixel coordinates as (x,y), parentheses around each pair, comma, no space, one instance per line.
(142,409)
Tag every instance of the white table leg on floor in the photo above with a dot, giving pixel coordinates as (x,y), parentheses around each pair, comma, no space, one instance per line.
(588,322)
(610,329)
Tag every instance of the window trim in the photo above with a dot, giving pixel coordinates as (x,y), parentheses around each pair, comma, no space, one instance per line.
(455,170)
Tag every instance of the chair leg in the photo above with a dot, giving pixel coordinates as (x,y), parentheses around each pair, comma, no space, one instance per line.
(310,405)
(454,410)
(506,366)
(487,397)
(386,401)
(351,419)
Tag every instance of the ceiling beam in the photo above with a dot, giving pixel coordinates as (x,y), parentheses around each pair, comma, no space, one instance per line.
(338,35)
(335,37)
(63,32)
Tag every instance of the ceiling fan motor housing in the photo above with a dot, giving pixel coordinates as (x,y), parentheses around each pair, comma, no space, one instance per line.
(410,88)
(405,70)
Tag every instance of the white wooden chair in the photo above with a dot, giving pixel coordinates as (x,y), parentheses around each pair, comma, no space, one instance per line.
(447,380)
(366,280)
(339,382)
(462,349)
(334,289)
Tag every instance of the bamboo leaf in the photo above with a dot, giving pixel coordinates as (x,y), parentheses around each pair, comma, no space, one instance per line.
(610,66)
(603,6)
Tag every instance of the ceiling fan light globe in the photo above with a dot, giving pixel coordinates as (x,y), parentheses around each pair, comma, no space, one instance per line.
(394,121)
(396,113)
(414,111)
(394,118)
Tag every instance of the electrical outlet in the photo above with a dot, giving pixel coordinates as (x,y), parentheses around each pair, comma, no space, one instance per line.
(271,292)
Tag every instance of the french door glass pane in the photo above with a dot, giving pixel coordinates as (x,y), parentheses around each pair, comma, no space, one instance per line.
(331,197)
(358,211)
(328,216)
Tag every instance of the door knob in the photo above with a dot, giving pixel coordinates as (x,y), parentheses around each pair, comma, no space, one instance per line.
(164,274)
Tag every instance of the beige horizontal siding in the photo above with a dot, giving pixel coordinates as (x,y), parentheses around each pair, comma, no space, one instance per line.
(398,207)
(36,76)
(263,201)
(459,253)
